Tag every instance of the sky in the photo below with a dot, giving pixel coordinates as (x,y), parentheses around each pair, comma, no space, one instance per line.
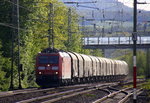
(139,6)
(128,3)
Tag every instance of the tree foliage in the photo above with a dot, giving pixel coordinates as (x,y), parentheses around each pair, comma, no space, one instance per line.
(34,31)
(141,62)
(36,39)
(4,71)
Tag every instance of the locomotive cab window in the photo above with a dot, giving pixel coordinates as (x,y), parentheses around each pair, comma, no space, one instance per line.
(43,59)
(53,59)
(48,59)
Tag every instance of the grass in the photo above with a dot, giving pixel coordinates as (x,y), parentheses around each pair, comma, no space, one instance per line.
(146,85)
(128,86)
(90,95)
(141,77)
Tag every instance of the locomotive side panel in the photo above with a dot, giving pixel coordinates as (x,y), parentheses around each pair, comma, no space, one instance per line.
(66,65)
(74,65)
(126,69)
(121,68)
(100,69)
(108,67)
(97,67)
(80,65)
(105,67)
(116,67)
(112,67)
(93,65)
(87,65)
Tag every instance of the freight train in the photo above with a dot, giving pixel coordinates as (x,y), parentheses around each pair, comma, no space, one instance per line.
(55,67)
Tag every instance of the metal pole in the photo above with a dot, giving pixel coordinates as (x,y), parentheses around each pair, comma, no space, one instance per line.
(12,51)
(83,25)
(83,30)
(94,29)
(18,33)
(51,26)
(134,50)
(49,21)
(52,23)
(103,31)
(69,25)
(147,64)
(103,34)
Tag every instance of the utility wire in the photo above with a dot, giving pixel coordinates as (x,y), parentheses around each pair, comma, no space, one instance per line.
(11,26)
(24,8)
(18,5)
(31,11)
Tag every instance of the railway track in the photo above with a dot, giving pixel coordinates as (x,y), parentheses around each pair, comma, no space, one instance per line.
(18,95)
(35,93)
(117,96)
(65,94)
(99,91)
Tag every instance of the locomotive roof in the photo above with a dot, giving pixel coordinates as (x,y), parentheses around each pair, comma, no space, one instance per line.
(63,54)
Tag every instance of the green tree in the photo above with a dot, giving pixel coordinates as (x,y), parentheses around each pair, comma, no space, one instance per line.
(4,71)
(141,62)
(35,39)
(34,26)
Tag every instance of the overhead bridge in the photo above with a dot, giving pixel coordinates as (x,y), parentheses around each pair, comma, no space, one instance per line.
(115,42)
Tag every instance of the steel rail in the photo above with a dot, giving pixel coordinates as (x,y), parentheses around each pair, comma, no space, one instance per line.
(74,94)
(139,91)
(17,92)
(65,94)
(110,95)
(49,96)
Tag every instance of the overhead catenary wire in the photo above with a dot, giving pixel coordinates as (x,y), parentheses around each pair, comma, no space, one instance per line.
(14,27)
(31,10)
(11,25)
(119,16)
(46,3)
(20,6)
(25,8)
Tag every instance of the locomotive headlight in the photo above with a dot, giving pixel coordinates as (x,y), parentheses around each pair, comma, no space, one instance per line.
(48,65)
(54,68)
(40,72)
(56,72)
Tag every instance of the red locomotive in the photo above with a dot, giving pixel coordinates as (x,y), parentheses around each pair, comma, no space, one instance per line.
(54,67)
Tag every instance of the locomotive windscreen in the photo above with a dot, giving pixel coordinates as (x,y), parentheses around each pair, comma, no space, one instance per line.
(48,59)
